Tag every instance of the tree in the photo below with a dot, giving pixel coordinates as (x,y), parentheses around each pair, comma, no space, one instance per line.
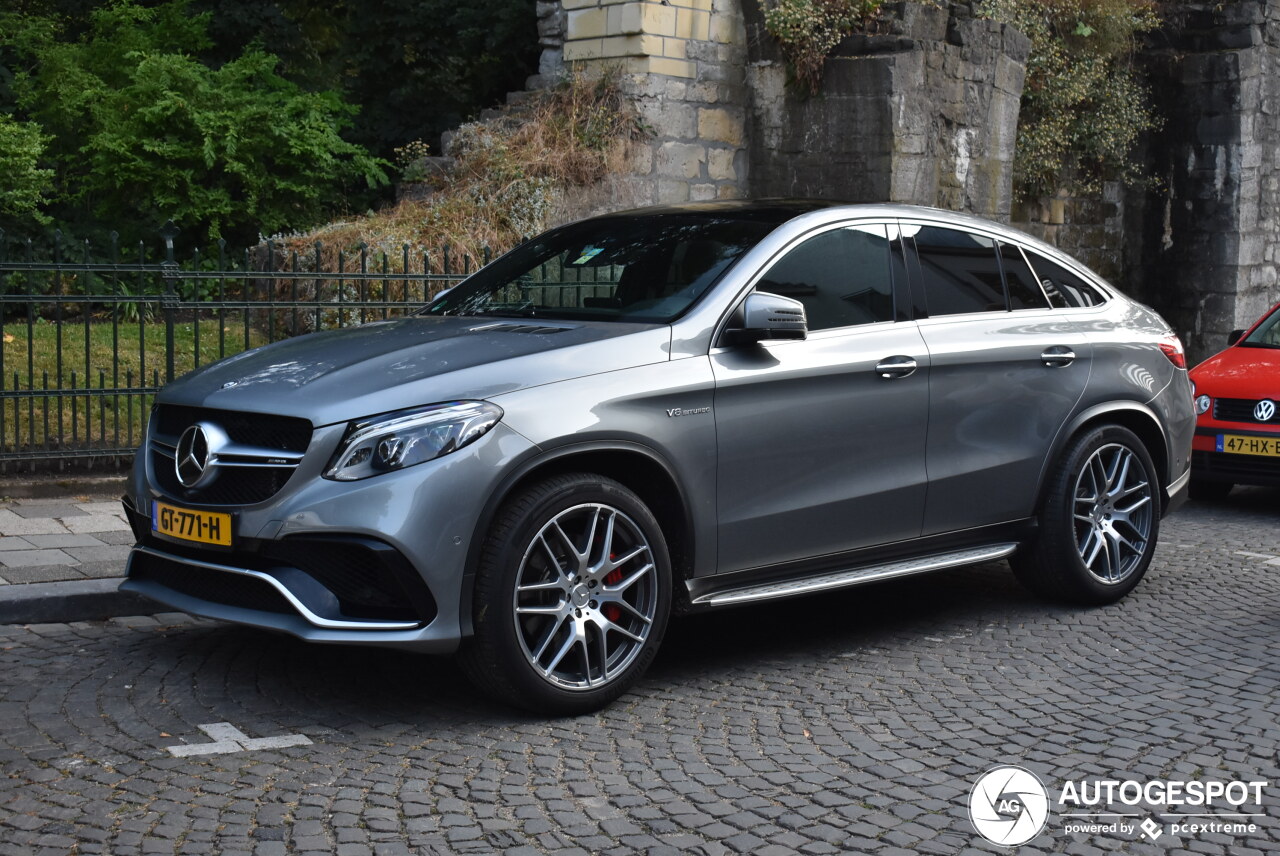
(142,131)
(25,184)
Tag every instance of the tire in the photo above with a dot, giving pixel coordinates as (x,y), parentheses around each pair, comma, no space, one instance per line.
(1209,491)
(1099,520)
(572,596)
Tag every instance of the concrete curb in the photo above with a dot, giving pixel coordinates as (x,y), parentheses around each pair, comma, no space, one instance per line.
(53,487)
(75,600)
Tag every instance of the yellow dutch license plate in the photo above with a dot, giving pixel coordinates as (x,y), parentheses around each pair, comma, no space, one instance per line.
(203,527)
(1236,444)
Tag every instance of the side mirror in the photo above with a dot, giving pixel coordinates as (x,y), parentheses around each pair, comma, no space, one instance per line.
(769,316)
(1234,336)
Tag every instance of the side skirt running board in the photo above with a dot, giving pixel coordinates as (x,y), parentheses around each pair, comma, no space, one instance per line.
(853,577)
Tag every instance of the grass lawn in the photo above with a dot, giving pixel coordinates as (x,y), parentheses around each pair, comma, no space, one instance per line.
(113,355)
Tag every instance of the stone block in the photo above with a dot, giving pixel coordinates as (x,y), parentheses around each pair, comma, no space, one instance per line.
(672,67)
(693,24)
(674,48)
(719,125)
(860,76)
(720,164)
(681,160)
(727,29)
(586,49)
(702,192)
(619,46)
(671,191)
(671,119)
(588,24)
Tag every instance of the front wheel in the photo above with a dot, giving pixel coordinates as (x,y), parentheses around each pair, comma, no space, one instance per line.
(571,598)
(1098,522)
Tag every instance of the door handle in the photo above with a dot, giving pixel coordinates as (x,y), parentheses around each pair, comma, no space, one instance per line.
(1058,356)
(891,367)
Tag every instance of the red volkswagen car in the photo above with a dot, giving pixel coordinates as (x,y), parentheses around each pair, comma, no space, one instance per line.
(1238,412)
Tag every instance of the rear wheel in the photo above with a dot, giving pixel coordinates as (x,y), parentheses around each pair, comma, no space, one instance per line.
(1209,491)
(1099,520)
(572,596)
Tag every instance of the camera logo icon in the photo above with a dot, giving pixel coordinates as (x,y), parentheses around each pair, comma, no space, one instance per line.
(1008,805)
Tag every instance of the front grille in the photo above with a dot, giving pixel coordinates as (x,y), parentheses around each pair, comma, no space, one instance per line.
(207,584)
(286,433)
(1240,469)
(232,485)
(1240,410)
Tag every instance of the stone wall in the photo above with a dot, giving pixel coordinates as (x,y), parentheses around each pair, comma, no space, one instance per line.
(1204,248)
(925,112)
(683,62)
(1091,229)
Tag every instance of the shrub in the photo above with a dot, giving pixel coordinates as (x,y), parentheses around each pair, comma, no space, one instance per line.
(1083,106)
(807,30)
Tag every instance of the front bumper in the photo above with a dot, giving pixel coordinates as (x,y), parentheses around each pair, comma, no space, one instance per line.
(1208,464)
(380,561)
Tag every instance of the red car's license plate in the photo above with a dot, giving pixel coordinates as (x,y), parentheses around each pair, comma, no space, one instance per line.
(1236,444)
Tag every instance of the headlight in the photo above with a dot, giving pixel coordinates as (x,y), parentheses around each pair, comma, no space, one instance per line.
(1202,404)
(393,441)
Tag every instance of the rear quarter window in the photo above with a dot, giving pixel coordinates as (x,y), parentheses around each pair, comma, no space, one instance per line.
(1064,289)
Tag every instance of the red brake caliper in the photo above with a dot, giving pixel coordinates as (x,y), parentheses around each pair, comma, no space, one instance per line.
(611,610)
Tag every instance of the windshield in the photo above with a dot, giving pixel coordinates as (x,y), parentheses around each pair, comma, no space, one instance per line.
(643,268)
(1266,334)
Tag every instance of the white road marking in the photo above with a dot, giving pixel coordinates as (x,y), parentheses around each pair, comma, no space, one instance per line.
(227,738)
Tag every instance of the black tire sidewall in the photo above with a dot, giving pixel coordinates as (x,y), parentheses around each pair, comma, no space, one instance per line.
(1059,564)
(494,621)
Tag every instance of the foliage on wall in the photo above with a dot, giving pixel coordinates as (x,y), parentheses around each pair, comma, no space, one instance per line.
(508,174)
(1083,105)
(807,30)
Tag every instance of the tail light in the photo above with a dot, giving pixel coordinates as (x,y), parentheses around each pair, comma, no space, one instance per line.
(1171,345)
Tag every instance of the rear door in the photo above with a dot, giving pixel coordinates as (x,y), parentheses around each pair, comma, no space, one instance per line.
(821,442)
(1006,372)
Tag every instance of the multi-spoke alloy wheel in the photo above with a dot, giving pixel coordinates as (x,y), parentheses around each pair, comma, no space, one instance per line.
(585,596)
(1099,520)
(1113,512)
(571,597)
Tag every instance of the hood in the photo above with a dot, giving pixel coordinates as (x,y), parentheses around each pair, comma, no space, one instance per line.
(1240,372)
(388,365)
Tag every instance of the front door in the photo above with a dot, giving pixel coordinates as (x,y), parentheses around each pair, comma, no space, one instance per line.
(821,442)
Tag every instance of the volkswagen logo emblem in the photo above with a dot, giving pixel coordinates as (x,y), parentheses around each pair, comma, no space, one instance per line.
(197,451)
(1264,410)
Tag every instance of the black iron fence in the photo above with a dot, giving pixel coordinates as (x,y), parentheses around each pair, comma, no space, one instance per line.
(88,340)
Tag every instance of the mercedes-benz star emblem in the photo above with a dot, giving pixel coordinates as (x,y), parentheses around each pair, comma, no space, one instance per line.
(192,457)
(1264,410)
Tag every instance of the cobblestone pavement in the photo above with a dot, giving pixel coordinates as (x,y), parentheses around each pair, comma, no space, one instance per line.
(54,540)
(849,723)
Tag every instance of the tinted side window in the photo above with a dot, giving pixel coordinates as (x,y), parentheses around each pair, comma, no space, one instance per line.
(1024,291)
(1064,288)
(959,272)
(841,276)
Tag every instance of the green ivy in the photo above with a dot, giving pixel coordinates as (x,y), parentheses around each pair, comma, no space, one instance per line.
(1083,105)
(807,30)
